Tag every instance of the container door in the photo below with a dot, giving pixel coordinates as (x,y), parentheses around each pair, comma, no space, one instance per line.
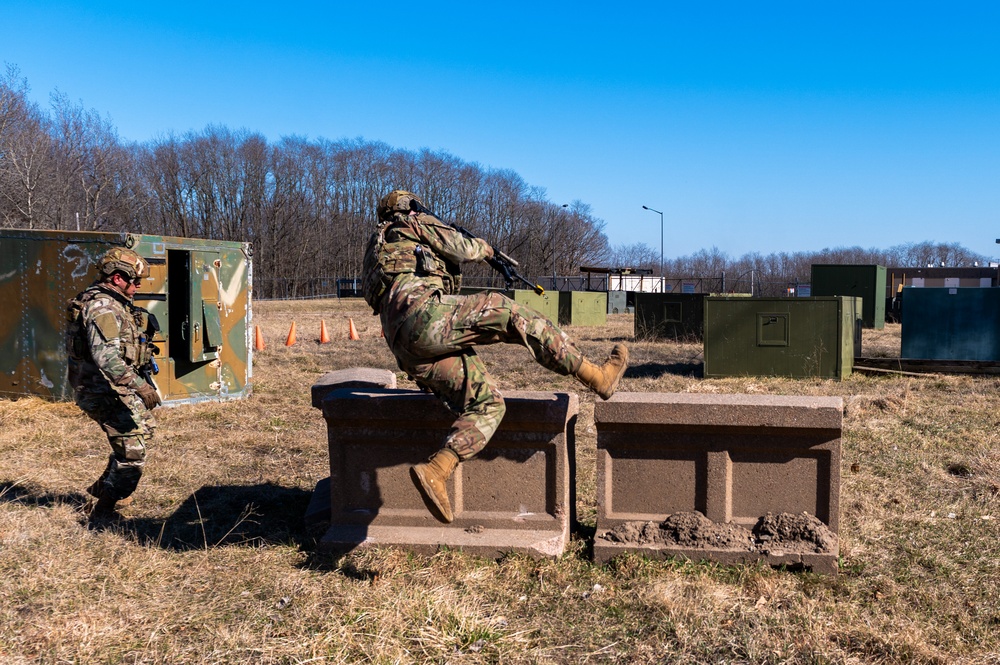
(203,327)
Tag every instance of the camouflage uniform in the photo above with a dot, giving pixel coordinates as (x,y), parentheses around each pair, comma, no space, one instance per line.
(108,343)
(432,331)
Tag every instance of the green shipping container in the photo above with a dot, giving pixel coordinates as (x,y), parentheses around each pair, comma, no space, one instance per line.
(793,337)
(863,281)
(198,290)
(956,323)
(583,308)
(670,315)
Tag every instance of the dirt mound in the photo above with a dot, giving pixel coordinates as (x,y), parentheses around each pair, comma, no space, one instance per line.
(695,530)
(688,529)
(783,532)
(636,533)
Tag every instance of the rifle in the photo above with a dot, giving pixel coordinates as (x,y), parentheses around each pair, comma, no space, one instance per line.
(503,264)
(148,370)
(150,326)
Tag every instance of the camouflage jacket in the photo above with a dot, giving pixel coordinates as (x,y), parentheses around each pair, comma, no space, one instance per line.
(107,341)
(445,246)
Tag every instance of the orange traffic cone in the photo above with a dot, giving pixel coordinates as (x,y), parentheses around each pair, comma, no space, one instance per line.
(323,336)
(291,335)
(381,333)
(258,339)
(352,332)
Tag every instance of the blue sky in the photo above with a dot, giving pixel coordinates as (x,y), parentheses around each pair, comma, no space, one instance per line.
(768,126)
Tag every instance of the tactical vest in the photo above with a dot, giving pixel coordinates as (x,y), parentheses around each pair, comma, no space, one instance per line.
(384,260)
(136,339)
(77,345)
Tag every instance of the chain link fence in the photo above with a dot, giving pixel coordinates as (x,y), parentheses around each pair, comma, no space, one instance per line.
(303,288)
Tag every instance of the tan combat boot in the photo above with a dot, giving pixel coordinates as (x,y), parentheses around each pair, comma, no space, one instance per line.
(431,477)
(604,380)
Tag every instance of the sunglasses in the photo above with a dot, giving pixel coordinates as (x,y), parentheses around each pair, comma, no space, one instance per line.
(125,278)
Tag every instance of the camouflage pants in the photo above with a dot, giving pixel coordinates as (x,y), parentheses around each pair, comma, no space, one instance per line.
(129,425)
(435,347)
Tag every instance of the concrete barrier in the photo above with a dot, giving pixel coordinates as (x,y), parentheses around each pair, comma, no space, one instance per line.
(739,460)
(356,377)
(516,496)
(318,510)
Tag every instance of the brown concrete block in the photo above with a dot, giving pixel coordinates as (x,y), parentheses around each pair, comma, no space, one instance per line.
(733,458)
(516,495)
(355,377)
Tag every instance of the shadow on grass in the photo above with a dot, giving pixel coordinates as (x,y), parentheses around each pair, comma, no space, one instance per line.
(655,370)
(339,562)
(32,494)
(213,516)
(226,515)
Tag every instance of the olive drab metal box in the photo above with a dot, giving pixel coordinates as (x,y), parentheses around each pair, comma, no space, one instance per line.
(674,316)
(583,308)
(617,301)
(794,337)
(956,323)
(198,290)
(865,281)
(546,304)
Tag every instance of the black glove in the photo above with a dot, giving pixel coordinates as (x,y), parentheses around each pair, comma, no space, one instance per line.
(149,396)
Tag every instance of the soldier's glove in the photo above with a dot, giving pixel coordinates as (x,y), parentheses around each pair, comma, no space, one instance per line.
(149,396)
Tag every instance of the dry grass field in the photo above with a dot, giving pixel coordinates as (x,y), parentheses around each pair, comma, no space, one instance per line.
(213,565)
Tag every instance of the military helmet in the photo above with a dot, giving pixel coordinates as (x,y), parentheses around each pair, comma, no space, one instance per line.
(398,200)
(119,259)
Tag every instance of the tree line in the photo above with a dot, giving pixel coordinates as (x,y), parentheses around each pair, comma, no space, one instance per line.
(308,206)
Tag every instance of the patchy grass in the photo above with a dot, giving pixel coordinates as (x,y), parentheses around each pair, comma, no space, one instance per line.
(213,564)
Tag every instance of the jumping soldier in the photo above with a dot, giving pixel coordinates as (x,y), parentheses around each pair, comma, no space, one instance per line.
(108,341)
(411,279)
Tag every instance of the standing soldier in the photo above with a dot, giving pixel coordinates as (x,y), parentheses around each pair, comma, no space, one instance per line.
(411,279)
(109,345)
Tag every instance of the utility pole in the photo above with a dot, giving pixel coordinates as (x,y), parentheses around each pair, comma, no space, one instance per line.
(661,243)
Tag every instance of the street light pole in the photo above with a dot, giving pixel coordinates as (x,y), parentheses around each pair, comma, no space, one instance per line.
(661,241)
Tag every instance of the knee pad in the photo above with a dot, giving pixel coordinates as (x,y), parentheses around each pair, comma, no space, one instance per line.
(123,477)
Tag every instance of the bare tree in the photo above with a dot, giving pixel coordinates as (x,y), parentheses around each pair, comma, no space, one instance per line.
(25,173)
(91,169)
(636,255)
(163,169)
(578,237)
